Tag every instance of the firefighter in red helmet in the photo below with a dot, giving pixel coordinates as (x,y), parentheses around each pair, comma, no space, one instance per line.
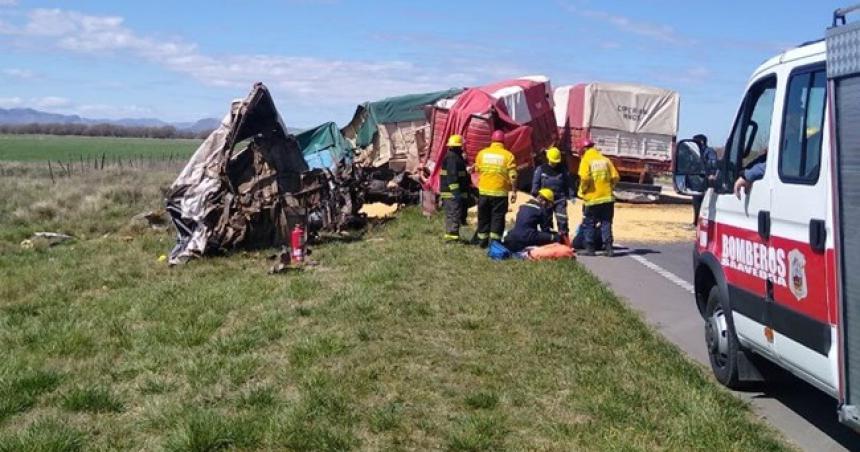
(497,178)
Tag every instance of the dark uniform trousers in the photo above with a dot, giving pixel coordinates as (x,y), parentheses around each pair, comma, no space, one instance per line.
(491,216)
(455,215)
(517,240)
(591,216)
(560,211)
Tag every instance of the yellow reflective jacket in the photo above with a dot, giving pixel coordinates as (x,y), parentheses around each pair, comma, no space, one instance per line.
(497,170)
(597,178)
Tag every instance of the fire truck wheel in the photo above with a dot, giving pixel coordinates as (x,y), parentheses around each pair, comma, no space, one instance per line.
(721,340)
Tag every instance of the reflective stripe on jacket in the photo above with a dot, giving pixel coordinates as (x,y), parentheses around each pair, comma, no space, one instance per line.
(557,179)
(531,217)
(597,178)
(453,178)
(497,170)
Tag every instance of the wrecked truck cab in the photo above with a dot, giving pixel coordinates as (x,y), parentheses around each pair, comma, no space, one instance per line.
(248,184)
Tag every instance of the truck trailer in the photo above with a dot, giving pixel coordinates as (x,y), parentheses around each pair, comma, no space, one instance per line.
(634,125)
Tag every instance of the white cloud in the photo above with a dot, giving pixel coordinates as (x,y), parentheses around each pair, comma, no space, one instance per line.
(50,102)
(23,74)
(55,104)
(8,3)
(657,32)
(43,103)
(305,78)
(690,76)
(10,102)
(7,28)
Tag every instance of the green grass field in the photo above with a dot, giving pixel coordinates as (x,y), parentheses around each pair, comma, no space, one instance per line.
(39,148)
(394,342)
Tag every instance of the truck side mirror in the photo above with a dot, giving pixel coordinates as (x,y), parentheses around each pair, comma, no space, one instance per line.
(688,170)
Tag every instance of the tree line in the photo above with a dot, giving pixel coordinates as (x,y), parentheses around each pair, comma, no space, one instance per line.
(100,130)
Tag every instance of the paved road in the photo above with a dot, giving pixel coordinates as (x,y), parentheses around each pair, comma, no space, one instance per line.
(661,292)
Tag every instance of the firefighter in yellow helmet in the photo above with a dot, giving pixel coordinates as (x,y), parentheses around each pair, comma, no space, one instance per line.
(497,177)
(555,176)
(454,187)
(533,226)
(597,180)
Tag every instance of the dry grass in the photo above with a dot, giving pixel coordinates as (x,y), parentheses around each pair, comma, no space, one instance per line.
(88,205)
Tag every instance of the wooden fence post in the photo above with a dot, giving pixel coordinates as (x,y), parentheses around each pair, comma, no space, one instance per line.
(51,172)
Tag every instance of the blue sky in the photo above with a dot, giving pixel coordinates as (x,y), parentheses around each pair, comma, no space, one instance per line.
(181,61)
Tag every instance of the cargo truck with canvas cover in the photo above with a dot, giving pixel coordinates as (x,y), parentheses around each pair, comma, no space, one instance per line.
(634,125)
(394,133)
(324,147)
(521,108)
(778,238)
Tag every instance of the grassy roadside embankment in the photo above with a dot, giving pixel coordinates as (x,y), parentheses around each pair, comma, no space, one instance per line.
(393,342)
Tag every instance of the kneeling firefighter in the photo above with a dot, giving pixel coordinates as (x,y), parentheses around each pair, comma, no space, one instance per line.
(454,188)
(533,226)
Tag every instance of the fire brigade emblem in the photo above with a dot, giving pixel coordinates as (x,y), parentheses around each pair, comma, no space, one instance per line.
(797,273)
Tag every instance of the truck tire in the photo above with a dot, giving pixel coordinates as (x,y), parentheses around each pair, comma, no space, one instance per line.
(721,341)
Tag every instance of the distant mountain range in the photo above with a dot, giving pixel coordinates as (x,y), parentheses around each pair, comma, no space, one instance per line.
(31,116)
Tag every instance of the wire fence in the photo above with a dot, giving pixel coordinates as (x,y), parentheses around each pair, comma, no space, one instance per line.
(58,169)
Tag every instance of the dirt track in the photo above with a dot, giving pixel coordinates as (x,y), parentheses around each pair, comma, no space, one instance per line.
(654,223)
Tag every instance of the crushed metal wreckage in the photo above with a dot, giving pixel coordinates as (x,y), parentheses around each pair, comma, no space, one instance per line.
(248,184)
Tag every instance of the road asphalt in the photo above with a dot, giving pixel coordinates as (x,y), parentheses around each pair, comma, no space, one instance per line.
(662,292)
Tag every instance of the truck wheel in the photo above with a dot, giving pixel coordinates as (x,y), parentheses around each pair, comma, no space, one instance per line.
(721,340)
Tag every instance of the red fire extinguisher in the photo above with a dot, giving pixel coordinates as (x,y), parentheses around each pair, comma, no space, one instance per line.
(297,245)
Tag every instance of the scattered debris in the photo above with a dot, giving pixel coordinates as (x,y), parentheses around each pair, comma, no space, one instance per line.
(53,237)
(285,262)
(150,220)
(42,240)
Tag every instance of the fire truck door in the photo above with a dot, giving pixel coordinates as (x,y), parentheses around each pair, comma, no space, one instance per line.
(739,220)
(800,310)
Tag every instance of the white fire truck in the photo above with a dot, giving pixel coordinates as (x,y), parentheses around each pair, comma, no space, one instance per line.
(774,263)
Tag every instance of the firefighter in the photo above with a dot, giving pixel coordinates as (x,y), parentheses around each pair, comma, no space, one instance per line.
(454,185)
(533,226)
(555,176)
(497,178)
(755,172)
(709,161)
(597,179)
